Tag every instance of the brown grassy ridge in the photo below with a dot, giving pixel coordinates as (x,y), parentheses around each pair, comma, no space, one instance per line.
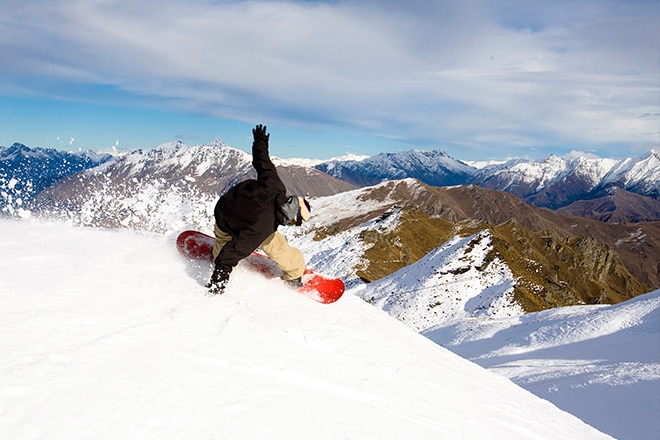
(551,270)
(416,235)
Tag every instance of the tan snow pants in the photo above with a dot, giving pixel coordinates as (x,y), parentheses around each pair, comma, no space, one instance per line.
(289,259)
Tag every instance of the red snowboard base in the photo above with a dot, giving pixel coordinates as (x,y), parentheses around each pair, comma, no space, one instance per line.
(198,246)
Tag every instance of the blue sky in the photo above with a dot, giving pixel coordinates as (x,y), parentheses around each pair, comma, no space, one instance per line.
(478,79)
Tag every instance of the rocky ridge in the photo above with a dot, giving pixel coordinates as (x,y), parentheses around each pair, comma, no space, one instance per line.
(402,222)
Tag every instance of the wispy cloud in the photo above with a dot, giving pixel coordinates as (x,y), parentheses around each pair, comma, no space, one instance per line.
(473,73)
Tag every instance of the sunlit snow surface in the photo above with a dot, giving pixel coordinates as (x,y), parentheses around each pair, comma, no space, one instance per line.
(601,363)
(109,334)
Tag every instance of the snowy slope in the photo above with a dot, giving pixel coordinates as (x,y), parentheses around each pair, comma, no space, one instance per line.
(601,363)
(449,284)
(108,334)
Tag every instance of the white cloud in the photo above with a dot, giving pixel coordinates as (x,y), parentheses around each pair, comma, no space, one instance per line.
(575,154)
(434,72)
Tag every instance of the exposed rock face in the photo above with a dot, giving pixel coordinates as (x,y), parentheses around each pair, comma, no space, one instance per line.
(554,270)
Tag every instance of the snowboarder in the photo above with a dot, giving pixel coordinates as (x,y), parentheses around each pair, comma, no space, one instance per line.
(247,217)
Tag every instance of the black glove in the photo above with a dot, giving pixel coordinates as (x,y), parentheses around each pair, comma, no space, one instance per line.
(260,132)
(219,280)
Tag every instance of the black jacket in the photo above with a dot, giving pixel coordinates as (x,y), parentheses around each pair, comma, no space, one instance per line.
(250,211)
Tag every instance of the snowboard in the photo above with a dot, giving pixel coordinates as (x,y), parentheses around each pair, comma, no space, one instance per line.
(324,289)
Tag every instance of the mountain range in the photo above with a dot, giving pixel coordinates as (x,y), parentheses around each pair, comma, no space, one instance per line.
(610,190)
(552,182)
